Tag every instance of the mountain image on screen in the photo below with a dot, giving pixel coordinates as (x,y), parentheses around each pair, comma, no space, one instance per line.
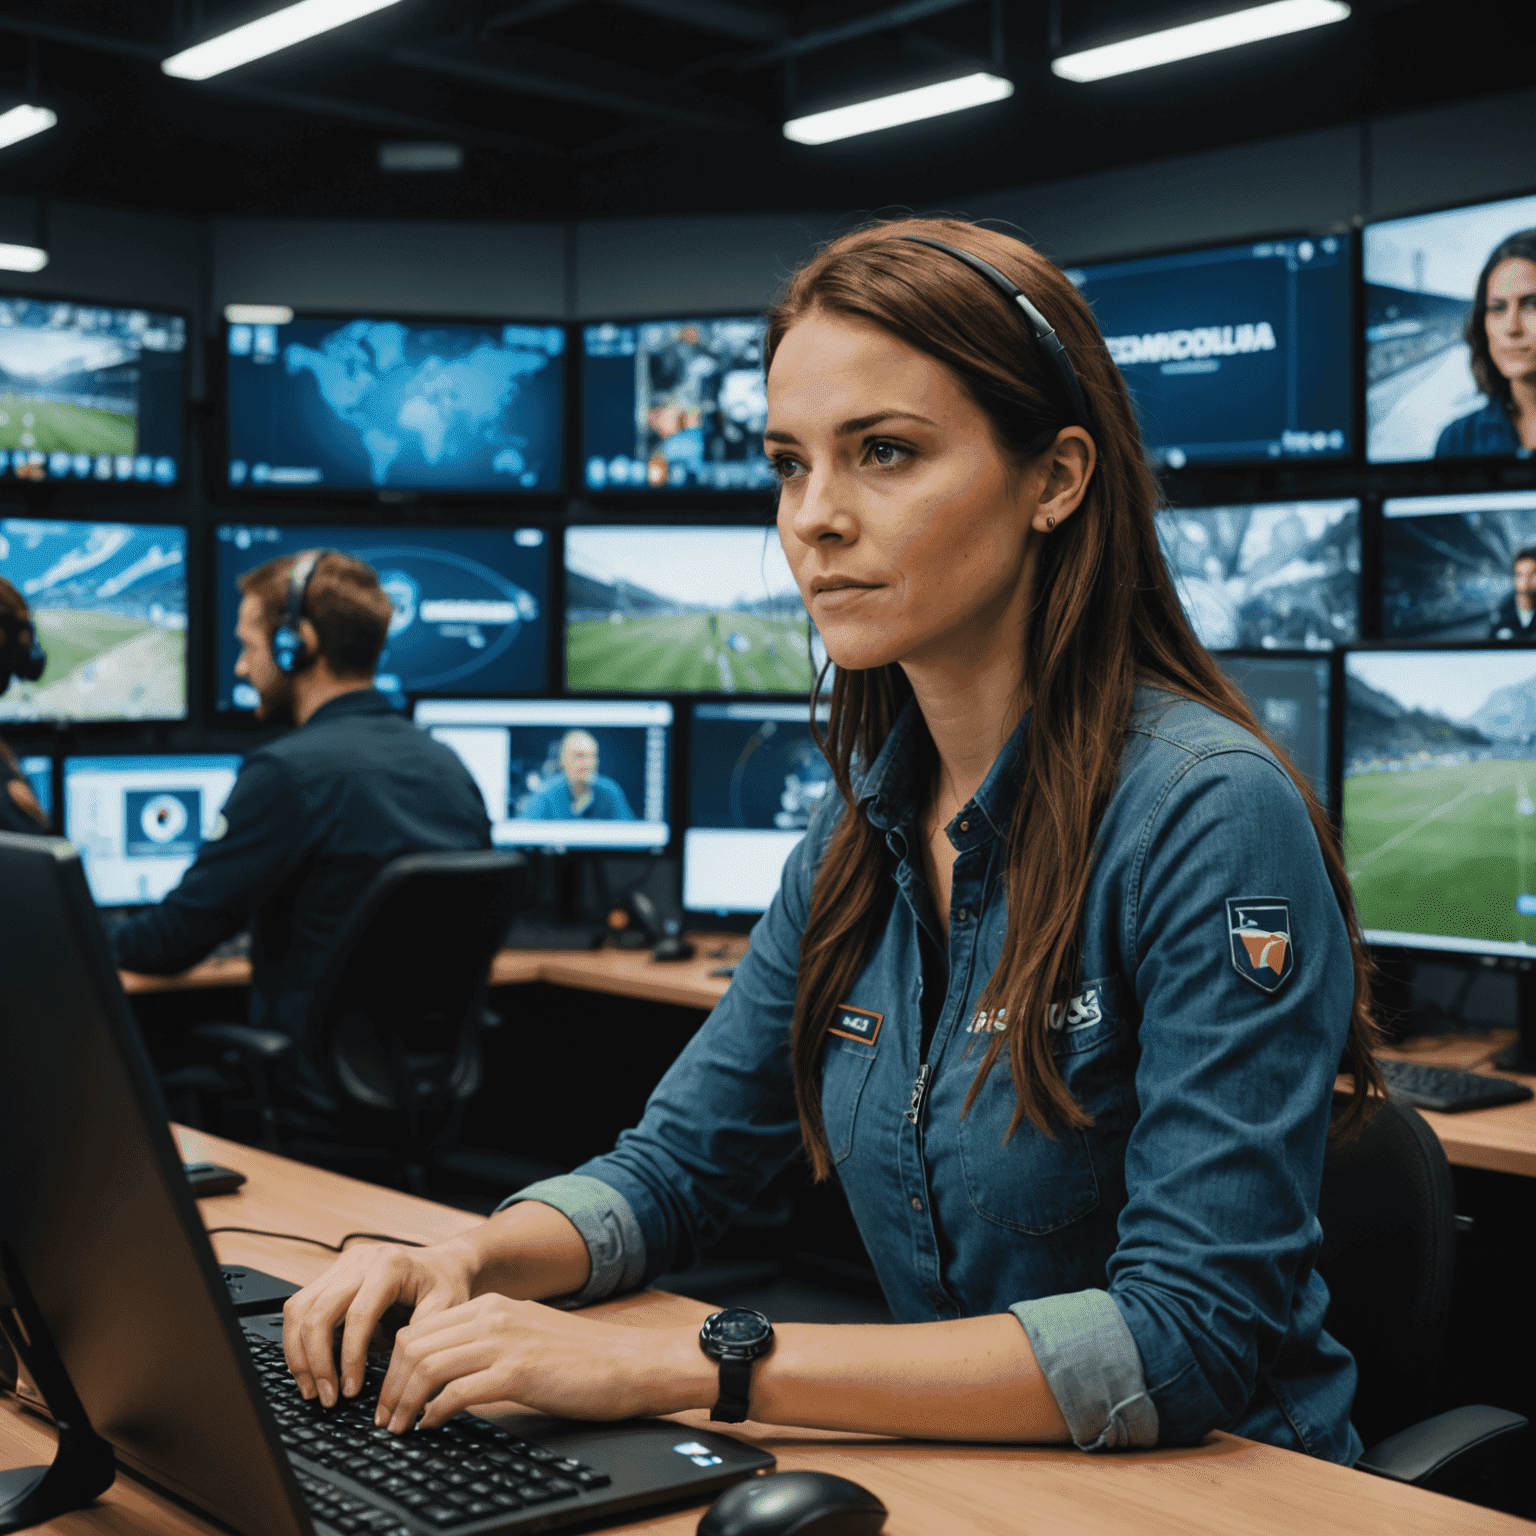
(1440,793)
(110,604)
(396,394)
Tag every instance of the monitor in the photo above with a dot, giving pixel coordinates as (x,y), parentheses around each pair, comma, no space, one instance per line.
(1276,576)
(1439,807)
(370,404)
(90,393)
(1421,398)
(110,604)
(1289,695)
(1448,566)
(563,773)
(139,821)
(1233,355)
(755,776)
(674,405)
(469,603)
(683,610)
(38,772)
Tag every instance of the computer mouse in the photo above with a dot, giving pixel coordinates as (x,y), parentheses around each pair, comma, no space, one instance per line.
(672,946)
(794,1504)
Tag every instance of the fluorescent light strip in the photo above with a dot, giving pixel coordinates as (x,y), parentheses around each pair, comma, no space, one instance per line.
(267,34)
(903,107)
(1188,42)
(22,258)
(22,122)
(258,314)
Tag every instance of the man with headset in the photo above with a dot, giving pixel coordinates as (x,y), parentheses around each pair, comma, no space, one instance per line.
(315,814)
(21,655)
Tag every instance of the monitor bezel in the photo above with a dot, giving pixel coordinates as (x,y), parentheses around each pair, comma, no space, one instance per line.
(92,490)
(366,519)
(20,727)
(1461,463)
(637,498)
(247,494)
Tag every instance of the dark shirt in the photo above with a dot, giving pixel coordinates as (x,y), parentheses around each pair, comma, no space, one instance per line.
(12,817)
(1480,434)
(312,818)
(554,803)
(1506,625)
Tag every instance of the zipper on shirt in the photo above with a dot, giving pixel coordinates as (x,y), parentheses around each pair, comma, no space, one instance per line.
(919,1088)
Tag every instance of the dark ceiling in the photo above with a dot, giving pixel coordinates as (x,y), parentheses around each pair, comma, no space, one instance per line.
(586,108)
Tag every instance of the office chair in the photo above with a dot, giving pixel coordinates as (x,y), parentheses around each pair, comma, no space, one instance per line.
(1388,1212)
(394,1027)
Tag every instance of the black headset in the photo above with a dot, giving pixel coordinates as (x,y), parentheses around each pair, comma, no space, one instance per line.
(288,648)
(18,660)
(1050,343)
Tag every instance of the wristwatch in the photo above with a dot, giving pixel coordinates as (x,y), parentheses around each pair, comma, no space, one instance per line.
(735,1337)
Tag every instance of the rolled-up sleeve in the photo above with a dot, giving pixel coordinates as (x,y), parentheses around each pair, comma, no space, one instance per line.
(1238,1054)
(607,1226)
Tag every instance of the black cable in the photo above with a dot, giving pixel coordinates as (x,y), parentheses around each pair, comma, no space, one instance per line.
(294,1237)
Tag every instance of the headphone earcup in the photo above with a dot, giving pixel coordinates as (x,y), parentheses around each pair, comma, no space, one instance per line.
(287,649)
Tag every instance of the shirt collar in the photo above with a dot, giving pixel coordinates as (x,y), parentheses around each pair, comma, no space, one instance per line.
(363,701)
(893,788)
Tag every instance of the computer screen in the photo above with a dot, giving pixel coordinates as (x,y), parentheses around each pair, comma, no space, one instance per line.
(674,405)
(1450,565)
(1281,576)
(563,773)
(755,776)
(683,610)
(470,603)
(1422,400)
(38,772)
(139,821)
(1233,355)
(1439,816)
(110,604)
(393,405)
(90,393)
(1290,697)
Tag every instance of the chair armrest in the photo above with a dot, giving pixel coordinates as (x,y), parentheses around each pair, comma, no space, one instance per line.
(263,1044)
(1445,1449)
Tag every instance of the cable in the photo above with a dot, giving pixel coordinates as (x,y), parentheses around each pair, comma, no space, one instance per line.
(294,1237)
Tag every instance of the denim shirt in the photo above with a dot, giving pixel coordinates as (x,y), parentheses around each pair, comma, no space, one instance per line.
(1161,1260)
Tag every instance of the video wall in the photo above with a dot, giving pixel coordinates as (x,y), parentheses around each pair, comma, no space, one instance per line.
(574,526)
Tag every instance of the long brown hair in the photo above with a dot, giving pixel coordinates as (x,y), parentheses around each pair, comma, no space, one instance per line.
(1105,617)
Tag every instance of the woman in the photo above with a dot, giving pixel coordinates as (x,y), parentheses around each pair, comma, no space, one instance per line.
(1501,333)
(1058,988)
(20,656)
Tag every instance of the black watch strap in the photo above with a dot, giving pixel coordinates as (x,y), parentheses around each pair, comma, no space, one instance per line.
(735,1392)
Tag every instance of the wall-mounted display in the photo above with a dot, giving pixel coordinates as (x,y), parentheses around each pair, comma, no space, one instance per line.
(1290,697)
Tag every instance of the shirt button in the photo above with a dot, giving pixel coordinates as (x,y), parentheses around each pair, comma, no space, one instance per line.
(965,826)
(961,915)
(917,1204)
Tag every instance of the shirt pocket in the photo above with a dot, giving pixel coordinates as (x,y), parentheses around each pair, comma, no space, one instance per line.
(845,1070)
(1035,1183)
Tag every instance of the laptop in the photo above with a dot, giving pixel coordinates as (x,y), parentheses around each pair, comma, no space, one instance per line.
(99,1222)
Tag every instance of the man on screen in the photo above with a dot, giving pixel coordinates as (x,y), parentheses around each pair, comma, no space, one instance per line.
(580,792)
(1516,620)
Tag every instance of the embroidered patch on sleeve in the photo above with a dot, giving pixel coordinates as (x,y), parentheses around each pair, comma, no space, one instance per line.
(1259,929)
(857,1024)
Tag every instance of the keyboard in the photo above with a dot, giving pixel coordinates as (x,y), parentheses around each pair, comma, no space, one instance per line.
(1447,1089)
(465,1471)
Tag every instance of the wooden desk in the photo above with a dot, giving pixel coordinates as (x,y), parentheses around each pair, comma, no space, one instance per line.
(1224,1487)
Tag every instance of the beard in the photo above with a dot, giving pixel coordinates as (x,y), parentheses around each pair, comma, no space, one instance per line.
(275,701)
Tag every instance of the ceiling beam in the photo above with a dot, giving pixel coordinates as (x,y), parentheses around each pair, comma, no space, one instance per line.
(529,10)
(747,23)
(903,15)
(531,68)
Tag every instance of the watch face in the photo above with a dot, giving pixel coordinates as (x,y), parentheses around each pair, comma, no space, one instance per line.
(738,1326)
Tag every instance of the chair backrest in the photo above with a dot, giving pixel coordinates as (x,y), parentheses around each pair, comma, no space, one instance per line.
(1389,1241)
(395,1018)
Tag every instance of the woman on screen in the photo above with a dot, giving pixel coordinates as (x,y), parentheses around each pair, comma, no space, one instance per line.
(1057,983)
(20,656)
(1502,336)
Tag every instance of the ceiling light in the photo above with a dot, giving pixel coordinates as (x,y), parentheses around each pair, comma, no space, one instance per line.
(22,258)
(903,107)
(1187,42)
(258,314)
(22,122)
(421,157)
(282,29)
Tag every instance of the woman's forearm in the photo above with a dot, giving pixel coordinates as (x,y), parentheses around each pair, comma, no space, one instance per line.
(529,1251)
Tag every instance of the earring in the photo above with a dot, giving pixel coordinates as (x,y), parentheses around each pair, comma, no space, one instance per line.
(1050,523)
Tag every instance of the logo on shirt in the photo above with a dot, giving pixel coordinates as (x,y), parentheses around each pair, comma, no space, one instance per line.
(857,1024)
(1260,934)
(1077,1013)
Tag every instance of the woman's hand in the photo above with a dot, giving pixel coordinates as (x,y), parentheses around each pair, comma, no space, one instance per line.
(494,1349)
(362,1285)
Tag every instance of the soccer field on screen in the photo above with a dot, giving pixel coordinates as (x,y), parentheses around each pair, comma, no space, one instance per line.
(1444,850)
(684,653)
(53,424)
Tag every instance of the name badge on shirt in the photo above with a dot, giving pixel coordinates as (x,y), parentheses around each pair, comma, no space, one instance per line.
(857,1024)
(1260,931)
